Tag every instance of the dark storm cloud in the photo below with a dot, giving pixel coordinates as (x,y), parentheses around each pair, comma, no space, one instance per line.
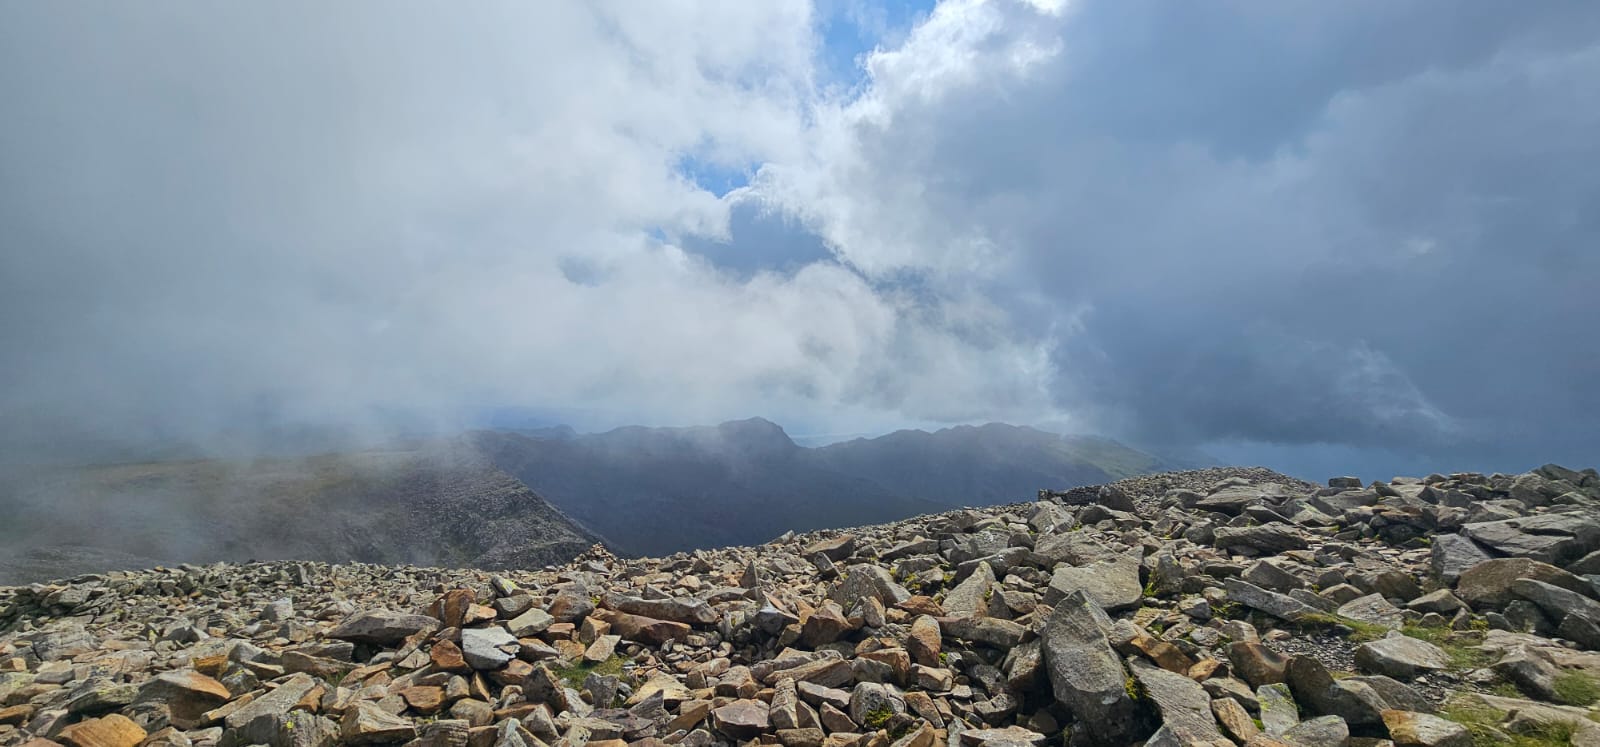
(1367,225)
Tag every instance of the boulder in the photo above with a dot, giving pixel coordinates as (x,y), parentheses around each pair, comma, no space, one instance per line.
(1086,675)
(382,627)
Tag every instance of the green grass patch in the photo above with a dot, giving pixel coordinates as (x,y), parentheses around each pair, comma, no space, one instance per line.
(1461,647)
(1483,722)
(1577,688)
(1360,632)
(877,717)
(577,673)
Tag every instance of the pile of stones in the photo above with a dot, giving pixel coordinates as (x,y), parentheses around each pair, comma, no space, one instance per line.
(1213,607)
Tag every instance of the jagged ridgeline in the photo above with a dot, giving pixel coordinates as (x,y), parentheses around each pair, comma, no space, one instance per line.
(1214,607)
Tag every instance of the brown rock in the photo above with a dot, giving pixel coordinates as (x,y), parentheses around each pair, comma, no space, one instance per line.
(447,655)
(925,641)
(115,730)
(741,719)
(922,605)
(425,698)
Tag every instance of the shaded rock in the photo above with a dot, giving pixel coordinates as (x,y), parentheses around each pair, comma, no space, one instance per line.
(1262,539)
(1452,554)
(1557,539)
(1488,584)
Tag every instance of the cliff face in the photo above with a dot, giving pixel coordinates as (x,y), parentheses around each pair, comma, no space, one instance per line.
(437,504)
(1216,607)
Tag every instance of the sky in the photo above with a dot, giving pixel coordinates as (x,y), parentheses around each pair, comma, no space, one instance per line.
(1355,237)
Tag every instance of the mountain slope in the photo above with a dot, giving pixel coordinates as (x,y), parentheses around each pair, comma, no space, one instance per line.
(441,503)
(661,490)
(983,465)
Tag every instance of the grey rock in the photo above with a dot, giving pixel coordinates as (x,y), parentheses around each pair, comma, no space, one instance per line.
(1264,539)
(1487,585)
(1086,675)
(1183,705)
(1279,713)
(488,648)
(1373,608)
(1272,603)
(275,703)
(970,595)
(1453,554)
(382,627)
(1111,584)
(1401,657)
(1557,539)
(530,623)
(1323,731)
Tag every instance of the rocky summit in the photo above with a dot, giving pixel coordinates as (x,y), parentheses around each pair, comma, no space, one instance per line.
(1213,607)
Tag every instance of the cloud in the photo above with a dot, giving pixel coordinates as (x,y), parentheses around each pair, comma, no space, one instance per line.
(1368,225)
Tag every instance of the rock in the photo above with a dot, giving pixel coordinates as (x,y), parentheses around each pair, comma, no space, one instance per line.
(1452,554)
(96,696)
(487,648)
(1235,720)
(382,627)
(1264,539)
(1557,602)
(972,594)
(1412,729)
(1086,675)
(1113,585)
(366,723)
(113,730)
(1183,705)
(1487,585)
(187,695)
(1373,608)
(835,549)
(925,640)
(647,629)
(1275,604)
(1255,663)
(678,609)
(530,623)
(275,703)
(741,719)
(1010,736)
(826,625)
(1557,539)
(1000,634)
(872,704)
(1323,731)
(868,580)
(1279,713)
(1401,657)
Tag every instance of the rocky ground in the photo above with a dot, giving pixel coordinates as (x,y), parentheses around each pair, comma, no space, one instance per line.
(1215,607)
